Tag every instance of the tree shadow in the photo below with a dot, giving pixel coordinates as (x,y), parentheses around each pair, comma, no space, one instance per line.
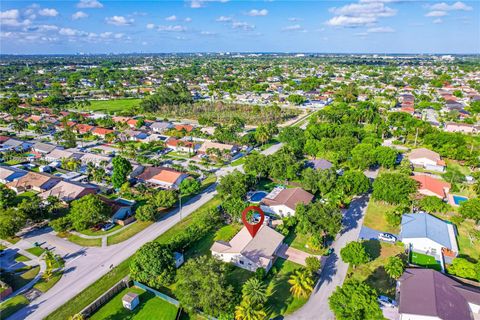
(373,248)
(354,213)
(381,281)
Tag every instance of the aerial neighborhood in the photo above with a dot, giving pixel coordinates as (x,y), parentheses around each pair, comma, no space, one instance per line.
(123,181)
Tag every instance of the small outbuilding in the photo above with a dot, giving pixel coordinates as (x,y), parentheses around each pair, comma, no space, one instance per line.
(130,301)
(179,259)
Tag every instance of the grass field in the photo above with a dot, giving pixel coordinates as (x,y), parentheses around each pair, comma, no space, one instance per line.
(424,260)
(375,217)
(128,232)
(21,258)
(84,242)
(36,251)
(467,242)
(373,272)
(44,285)
(16,281)
(150,307)
(116,105)
(90,232)
(12,305)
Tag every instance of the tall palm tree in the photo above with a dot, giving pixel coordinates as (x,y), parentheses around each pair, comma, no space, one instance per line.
(249,311)
(302,283)
(254,291)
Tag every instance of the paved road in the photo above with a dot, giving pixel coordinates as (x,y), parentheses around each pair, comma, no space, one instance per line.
(334,270)
(87,265)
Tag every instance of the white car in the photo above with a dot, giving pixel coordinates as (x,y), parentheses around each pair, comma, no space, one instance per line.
(386,301)
(387,237)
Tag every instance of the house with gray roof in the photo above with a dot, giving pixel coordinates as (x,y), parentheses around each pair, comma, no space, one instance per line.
(429,294)
(425,233)
(319,164)
(9,174)
(42,147)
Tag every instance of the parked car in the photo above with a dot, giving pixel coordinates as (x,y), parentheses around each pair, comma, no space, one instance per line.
(387,237)
(386,301)
(108,226)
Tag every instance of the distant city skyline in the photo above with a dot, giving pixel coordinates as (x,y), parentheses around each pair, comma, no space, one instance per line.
(361,26)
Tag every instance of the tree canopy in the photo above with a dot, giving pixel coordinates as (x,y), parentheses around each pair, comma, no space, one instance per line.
(153,265)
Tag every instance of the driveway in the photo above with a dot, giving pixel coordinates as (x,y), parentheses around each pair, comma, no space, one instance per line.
(390,313)
(367,233)
(293,254)
(334,270)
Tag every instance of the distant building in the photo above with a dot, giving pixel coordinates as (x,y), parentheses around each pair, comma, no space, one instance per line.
(284,201)
(428,159)
(319,164)
(39,182)
(162,177)
(68,190)
(461,127)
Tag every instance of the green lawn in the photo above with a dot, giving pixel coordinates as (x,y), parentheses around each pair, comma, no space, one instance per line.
(25,195)
(375,217)
(21,258)
(467,242)
(112,105)
(18,280)
(36,251)
(266,185)
(128,232)
(239,161)
(12,305)
(299,241)
(84,242)
(44,285)
(373,272)
(424,260)
(280,301)
(150,307)
(90,232)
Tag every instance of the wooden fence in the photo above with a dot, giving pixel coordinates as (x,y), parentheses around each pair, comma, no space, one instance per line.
(104,298)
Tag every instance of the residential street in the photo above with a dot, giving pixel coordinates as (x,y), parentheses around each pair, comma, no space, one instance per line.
(87,265)
(334,270)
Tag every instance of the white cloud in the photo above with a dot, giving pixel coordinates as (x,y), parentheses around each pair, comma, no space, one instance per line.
(224,19)
(171,18)
(150,26)
(295,27)
(170,28)
(119,21)
(195,4)
(242,25)
(437,21)
(187,19)
(436,14)
(443,6)
(258,13)
(48,12)
(71,32)
(79,15)
(208,33)
(344,21)
(380,30)
(11,18)
(89,4)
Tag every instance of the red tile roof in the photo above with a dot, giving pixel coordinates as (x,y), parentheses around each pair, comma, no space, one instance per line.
(433,185)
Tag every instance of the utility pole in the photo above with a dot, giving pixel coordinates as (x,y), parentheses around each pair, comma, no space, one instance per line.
(416,136)
(180,200)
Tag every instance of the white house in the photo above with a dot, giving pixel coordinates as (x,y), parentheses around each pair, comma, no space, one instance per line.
(249,252)
(283,202)
(427,159)
(162,177)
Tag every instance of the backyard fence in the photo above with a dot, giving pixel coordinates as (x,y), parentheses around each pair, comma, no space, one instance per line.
(157,293)
(104,298)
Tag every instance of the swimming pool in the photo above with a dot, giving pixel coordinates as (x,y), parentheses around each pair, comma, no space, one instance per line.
(459,199)
(257,196)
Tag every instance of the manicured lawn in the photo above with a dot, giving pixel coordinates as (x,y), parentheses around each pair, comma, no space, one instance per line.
(266,185)
(90,232)
(467,242)
(21,258)
(424,260)
(373,272)
(112,105)
(150,307)
(36,251)
(44,285)
(18,280)
(239,161)
(299,242)
(375,217)
(13,240)
(128,232)
(280,301)
(208,181)
(12,305)
(84,242)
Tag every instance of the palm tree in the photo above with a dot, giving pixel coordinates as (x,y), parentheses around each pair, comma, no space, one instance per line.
(249,311)
(254,291)
(302,283)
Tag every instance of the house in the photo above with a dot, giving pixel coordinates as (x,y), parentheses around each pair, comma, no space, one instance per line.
(210,145)
(83,128)
(122,210)
(425,233)
(43,148)
(181,145)
(69,191)
(184,127)
(130,301)
(430,160)
(319,164)
(39,182)
(428,294)
(461,127)
(430,186)
(9,174)
(15,144)
(284,201)
(160,127)
(60,154)
(95,159)
(249,252)
(101,132)
(162,177)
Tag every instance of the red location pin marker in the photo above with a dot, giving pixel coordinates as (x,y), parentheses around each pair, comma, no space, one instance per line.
(252,228)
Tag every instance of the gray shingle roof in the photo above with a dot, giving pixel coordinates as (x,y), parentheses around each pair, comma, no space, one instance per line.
(423,225)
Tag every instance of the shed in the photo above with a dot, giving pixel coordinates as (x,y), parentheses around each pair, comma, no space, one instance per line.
(130,300)
(179,259)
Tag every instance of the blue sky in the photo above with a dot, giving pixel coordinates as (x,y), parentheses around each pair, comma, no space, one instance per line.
(365,26)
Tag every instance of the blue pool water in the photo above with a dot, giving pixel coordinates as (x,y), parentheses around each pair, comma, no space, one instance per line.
(459,199)
(258,196)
